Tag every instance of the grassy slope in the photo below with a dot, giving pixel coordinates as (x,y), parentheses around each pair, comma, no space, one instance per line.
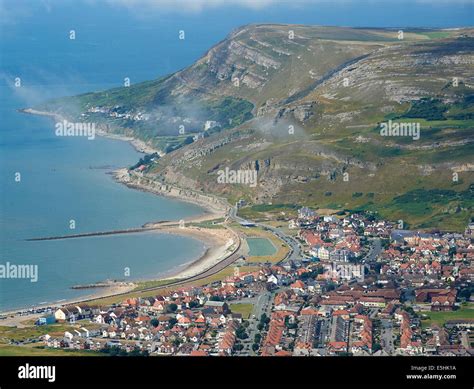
(400,169)
(28,351)
(413,67)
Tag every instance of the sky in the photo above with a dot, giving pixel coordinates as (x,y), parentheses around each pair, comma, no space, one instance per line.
(11,10)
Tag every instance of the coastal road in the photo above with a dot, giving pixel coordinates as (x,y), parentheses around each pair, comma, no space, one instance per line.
(293,244)
(209,272)
(228,260)
(294,253)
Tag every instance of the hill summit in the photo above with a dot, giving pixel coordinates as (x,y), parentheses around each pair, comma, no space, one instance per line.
(331,117)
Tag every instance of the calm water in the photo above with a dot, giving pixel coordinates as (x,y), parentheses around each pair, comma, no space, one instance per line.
(65,179)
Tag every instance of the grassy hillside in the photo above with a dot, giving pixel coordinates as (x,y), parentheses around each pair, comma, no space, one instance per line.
(305,106)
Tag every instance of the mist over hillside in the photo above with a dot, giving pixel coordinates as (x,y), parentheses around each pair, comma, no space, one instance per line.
(305,106)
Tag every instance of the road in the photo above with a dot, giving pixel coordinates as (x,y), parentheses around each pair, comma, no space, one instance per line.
(374,251)
(293,244)
(386,335)
(228,260)
(262,304)
(322,332)
(294,253)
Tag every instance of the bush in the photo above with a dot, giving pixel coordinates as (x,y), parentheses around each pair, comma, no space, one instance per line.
(429,109)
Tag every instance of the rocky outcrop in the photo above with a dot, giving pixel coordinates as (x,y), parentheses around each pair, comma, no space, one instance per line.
(301,112)
(151,184)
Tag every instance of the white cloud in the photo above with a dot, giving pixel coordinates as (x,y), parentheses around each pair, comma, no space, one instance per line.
(200,5)
(12,11)
(192,5)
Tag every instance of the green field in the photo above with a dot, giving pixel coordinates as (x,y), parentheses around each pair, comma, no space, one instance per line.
(25,351)
(260,247)
(244,309)
(21,334)
(439,318)
(34,332)
(153,284)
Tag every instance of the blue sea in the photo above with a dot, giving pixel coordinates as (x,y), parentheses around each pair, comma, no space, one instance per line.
(64,179)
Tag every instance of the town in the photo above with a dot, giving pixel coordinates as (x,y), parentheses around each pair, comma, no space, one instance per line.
(361,287)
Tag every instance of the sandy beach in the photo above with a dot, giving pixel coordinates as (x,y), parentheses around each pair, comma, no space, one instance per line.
(221,243)
(15,320)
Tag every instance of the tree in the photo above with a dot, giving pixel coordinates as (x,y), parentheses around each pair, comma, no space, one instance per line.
(171,307)
(172,322)
(290,325)
(193,304)
(410,310)
(452,251)
(188,140)
(465,293)
(376,347)
(330,286)
(241,333)
(135,352)
(154,322)
(238,347)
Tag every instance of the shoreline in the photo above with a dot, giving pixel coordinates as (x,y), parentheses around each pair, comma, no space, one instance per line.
(219,243)
(213,207)
(139,145)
